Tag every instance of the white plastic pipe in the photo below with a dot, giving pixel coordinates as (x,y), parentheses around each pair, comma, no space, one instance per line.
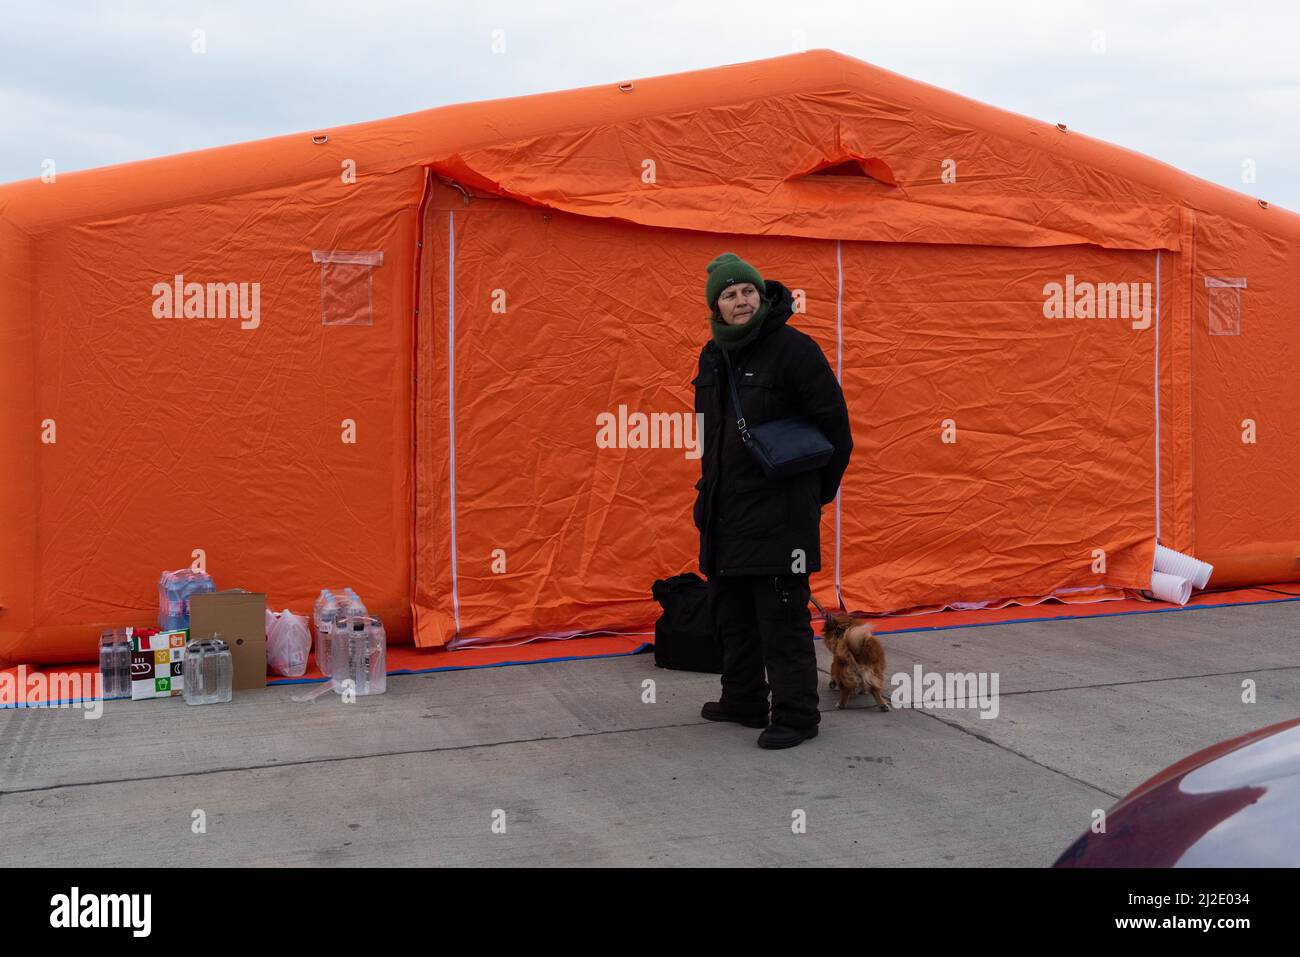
(1171,562)
(1170,588)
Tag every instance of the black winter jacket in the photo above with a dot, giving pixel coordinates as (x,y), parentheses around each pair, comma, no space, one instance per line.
(750,524)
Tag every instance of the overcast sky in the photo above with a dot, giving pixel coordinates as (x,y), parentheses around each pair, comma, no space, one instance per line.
(1205,86)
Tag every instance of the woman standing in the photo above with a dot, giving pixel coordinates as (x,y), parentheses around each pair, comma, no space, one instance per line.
(759,537)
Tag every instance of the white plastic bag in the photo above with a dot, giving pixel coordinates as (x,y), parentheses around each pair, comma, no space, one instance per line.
(288,642)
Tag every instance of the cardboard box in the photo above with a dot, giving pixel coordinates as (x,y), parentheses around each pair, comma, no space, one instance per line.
(239,618)
(157,664)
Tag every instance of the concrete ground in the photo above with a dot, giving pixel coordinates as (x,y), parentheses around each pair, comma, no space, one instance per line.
(582,771)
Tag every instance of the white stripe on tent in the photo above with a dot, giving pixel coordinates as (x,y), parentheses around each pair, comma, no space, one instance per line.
(1157,322)
(451,397)
(839,368)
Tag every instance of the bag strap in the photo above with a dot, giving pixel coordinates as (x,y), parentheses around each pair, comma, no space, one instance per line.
(735,401)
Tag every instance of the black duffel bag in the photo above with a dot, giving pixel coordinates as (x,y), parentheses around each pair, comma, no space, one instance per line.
(685,639)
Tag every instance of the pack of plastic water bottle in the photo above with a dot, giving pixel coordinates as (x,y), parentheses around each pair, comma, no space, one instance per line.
(174,591)
(330,606)
(209,671)
(115,663)
(351,644)
(358,647)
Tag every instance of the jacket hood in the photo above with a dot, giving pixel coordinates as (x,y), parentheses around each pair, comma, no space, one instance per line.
(782,307)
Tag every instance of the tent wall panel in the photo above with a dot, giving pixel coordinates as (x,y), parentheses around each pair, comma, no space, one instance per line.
(1245,382)
(1053,451)
(177,434)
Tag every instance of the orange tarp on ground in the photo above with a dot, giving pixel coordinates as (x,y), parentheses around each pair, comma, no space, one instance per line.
(438,307)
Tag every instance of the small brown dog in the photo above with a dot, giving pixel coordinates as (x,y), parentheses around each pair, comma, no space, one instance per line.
(857,658)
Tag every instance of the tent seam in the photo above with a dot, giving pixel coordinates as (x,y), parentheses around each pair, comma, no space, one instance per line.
(451,402)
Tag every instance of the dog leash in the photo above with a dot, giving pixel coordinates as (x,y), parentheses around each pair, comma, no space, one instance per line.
(824,613)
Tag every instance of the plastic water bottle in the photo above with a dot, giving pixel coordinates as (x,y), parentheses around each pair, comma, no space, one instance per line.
(323,616)
(339,653)
(317,616)
(353,604)
(107,674)
(209,671)
(122,661)
(349,607)
(223,681)
(358,655)
(377,666)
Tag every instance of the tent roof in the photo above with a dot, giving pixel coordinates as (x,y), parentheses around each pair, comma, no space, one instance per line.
(582,150)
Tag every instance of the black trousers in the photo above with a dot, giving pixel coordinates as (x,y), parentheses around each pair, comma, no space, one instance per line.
(764,625)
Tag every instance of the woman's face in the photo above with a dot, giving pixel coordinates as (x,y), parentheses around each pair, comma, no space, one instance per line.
(738,303)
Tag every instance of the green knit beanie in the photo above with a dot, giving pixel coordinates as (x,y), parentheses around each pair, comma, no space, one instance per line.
(726,270)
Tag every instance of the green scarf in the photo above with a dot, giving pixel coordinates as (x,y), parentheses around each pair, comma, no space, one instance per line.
(732,338)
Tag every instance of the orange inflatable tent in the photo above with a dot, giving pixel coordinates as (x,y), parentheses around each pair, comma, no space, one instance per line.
(419,356)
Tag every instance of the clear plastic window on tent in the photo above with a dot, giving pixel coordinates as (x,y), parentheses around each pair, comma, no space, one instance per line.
(1225,304)
(346,286)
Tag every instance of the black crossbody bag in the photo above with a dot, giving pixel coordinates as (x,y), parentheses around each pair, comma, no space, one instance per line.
(783,447)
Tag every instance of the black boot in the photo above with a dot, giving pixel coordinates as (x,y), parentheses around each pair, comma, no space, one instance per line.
(780,736)
(713,711)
